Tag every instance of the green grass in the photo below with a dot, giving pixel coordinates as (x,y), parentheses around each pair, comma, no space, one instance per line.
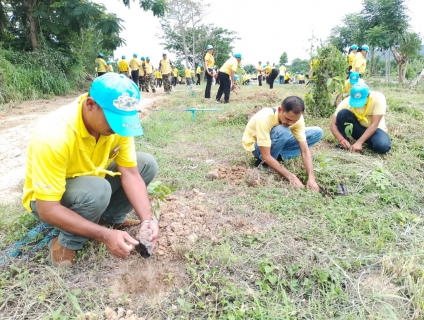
(310,256)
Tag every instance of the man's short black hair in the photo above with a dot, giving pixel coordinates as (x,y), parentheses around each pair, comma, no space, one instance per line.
(294,104)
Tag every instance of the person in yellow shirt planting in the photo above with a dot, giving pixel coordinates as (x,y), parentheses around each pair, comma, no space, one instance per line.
(123,67)
(245,79)
(198,73)
(301,78)
(359,63)
(83,171)
(100,64)
(273,134)
(209,64)
(226,78)
(363,113)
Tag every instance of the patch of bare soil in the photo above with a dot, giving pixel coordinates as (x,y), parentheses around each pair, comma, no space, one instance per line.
(237,175)
(270,96)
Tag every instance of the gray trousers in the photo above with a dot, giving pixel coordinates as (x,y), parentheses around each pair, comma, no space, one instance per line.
(94,198)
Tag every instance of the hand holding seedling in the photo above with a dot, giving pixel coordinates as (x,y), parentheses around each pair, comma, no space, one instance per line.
(153,226)
(356,147)
(295,181)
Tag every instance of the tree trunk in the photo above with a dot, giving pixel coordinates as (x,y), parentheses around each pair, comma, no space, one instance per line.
(400,73)
(32,23)
(405,69)
(418,79)
(372,69)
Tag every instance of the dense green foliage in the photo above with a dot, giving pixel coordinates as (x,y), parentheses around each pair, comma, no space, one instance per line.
(327,81)
(299,65)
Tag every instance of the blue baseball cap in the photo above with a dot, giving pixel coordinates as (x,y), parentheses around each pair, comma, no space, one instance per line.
(354,78)
(237,55)
(142,58)
(365,47)
(135,55)
(358,95)
(147,58)
(123,57)
(354,47)
(119,97)
(209,47)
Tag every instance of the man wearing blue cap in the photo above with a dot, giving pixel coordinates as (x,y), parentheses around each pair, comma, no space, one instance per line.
(100,65)
(226,78)
(83,171)
(365,110)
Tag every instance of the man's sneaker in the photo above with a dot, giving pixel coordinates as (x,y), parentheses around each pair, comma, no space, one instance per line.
(217,101)
(118,226)
(61,256)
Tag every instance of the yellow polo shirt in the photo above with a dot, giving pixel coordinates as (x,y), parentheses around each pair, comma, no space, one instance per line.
(134,64)
(101,65)
(229,65)
(198,70)
(259,127)
(350,58)
(188,73)
(165,66)
(141,69)
(158,75)
(359,62)
(61,148)
(378,106)
(283,70)
(210,60)
(268,69)
(148,68)
(123,65)
(258,68)
(109,68)
(175,72)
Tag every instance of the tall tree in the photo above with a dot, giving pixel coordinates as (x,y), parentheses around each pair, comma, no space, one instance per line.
(283,58)
(158,7)
(408,48)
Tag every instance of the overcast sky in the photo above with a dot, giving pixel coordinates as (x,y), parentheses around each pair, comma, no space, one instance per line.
(267,28)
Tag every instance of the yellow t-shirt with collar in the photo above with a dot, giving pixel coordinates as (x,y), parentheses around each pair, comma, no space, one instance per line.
(259,127)
(123,65)
(359,62)
(134,64)
(158,75)
(229,65)
(198,70)
(165,66)
(175,72)
(283,70)
(61,148)
(210,60)
(148,67)
(378,106)
(258,70)
(101,65)
(268,69)
(109,68)
(188,73)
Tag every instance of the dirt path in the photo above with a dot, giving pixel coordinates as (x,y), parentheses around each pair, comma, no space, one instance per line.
(16,126)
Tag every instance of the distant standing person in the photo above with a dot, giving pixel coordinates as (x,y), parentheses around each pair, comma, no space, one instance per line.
(188,75)
(272,73)
(149,79)
(359,64)
(174,76)
(226,78)
(351,56)
(135,66)
(142,74)
(198,73)
(123,66)
(109,67)
(100,64)
(209,64)
(282,73)
(259,73)
(159,78)
(165,67)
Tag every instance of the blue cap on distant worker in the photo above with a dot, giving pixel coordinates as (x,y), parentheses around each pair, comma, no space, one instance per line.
(135,55)
(354,47)
(163,54)
(264,66)
(101,55)
(358,95)
(237,55)
(209,47)
(123,56)
(119,97)
(365,47)
(108,62)
(353,78)
(148,58)
(142,58)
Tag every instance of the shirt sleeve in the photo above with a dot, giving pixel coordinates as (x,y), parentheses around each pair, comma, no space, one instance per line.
(126,157)
(49,165)
(263,132)
(342,105)
(298,130)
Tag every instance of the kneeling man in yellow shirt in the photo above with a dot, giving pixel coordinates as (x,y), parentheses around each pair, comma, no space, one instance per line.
(279,133)
(83,171)
(365,111)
